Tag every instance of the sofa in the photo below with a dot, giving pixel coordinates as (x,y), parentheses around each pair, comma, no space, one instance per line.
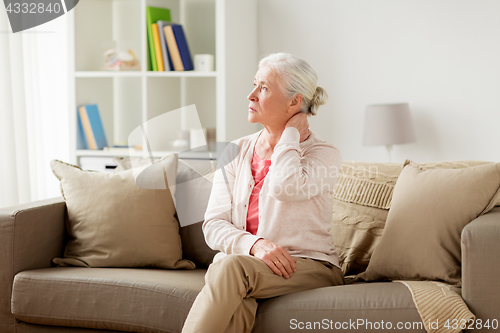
(37,296)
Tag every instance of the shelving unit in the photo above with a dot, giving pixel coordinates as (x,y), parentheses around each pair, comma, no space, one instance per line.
(127,99)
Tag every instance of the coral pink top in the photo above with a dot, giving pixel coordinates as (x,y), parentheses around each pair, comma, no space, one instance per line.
(260,168)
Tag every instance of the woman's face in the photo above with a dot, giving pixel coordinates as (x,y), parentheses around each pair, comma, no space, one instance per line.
(268,104)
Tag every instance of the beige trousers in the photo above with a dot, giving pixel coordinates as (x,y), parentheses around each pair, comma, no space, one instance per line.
(228,301)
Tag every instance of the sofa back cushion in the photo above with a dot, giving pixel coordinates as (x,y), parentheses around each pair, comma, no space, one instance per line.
(194,185)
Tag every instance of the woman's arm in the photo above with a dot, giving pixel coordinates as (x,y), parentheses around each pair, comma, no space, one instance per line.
(220,233)
(296,178)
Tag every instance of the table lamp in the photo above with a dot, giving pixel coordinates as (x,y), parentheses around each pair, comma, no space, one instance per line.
(388,124)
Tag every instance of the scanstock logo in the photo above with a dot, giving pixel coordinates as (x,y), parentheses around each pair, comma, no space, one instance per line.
(26,14)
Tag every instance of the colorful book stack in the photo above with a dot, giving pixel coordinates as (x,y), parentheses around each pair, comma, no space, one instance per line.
(168,47)
(90,130)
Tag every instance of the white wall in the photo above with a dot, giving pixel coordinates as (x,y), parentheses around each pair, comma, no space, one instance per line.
(442,57)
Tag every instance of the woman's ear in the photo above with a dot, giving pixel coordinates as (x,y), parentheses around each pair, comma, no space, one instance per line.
(296,103)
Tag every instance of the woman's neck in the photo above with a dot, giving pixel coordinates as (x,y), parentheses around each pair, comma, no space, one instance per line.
(271,136)
(268,139)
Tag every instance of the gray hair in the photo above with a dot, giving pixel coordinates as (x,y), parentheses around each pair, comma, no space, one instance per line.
(297,77)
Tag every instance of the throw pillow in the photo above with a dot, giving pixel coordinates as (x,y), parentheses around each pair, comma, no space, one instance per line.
(194,181)
(112,222)
(361,202)
(367,184)
(429,209)
(356,231)
(360,206)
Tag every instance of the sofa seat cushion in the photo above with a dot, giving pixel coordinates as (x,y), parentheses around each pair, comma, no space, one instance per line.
(339,308)
(154,300)
(133,300)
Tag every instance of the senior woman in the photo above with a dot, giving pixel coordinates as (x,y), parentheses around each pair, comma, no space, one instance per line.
(270,213)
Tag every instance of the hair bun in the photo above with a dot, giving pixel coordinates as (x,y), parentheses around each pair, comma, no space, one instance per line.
(320,97)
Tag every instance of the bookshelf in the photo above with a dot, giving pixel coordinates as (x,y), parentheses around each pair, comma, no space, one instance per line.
(127,99)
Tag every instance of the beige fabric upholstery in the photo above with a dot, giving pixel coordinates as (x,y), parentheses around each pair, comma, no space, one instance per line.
(360,206)
(455,165)
(361,201)
(368,184)
(134,300)
(23,327)
(430,207)
(481,266)
(371,302)
(372,184)
(151,300)
(356,230)
(113,222)
(193,186)
(30,236)
(191,197)
(194,246)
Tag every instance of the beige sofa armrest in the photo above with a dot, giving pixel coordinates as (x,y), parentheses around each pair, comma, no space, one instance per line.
(481,267)
(30,236)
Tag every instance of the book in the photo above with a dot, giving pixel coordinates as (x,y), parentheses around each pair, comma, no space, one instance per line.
(81,139)
(182,44)
(87,129)
(159,56)
(173,49)
(167,62)
(93,130)
(154,14)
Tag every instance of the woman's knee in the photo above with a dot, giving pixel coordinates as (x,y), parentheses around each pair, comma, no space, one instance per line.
(234,264)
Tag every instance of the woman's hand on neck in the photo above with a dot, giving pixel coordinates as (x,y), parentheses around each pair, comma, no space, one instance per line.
(300,122)
(272,135)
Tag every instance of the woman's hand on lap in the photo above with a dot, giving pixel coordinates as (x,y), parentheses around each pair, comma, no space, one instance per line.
(274,256)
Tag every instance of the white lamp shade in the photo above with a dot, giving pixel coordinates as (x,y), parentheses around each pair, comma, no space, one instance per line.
(388,124)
